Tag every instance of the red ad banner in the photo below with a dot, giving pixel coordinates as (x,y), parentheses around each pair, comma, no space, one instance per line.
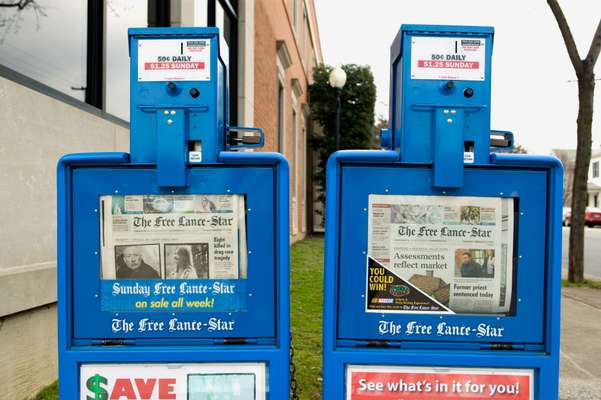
(174,65)
(406,383)
(448,64)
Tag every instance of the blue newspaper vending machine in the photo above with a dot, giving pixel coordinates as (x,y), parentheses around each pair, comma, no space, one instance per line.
(173,260)
(443,258)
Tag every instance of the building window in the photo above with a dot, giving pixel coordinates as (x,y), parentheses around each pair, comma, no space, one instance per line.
(293,155)
(47,43)
(159,12)
(303,175)
(120,15)
(224,15)
(294,14)
(108,77)
(280,119)
(305,34)
(78,48)
(596,169)
(81,49)
(293,171)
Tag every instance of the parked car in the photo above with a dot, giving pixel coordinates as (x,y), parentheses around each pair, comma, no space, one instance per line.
(592,216)
(565,214)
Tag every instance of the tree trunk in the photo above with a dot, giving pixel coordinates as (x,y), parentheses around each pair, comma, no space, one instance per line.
(586,88)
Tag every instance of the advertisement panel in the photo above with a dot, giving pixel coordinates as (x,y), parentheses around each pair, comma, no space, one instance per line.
(423,383)
(448,58)
(236,381)
(174,60)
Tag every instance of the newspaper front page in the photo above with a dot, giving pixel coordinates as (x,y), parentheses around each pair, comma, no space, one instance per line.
(187,252)
(440,254)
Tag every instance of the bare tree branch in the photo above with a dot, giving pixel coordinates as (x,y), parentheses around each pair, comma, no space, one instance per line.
(11,22)
(567,35)
(593,52)
(21,4)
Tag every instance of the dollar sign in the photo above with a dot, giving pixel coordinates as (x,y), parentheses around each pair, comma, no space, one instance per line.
(93,384)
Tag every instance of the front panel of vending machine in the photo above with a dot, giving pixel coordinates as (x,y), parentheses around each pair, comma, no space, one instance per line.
(155,264)
(458,266)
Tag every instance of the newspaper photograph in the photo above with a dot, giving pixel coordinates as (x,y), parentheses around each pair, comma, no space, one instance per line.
(173,252)
(440,254)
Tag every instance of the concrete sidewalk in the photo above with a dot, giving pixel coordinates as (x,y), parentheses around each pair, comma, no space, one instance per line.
(580,371)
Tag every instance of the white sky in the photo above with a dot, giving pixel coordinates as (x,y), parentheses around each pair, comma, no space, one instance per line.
(531,95)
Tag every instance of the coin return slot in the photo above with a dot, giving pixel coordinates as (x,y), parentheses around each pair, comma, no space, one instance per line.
(195,151)
(468,152)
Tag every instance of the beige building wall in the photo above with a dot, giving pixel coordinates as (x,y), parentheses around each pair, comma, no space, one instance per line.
(36,130)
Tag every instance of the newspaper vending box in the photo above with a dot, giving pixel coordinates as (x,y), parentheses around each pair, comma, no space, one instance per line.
(173,260)
(442,264)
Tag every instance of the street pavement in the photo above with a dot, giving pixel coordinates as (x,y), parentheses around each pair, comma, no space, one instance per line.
(592,252)
(580,357)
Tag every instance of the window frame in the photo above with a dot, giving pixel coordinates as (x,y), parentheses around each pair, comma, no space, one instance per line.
(230,8)
(281,110)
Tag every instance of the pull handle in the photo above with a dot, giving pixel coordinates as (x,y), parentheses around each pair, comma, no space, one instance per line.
(256,139)
(501,140)
(171,145)
(448,148)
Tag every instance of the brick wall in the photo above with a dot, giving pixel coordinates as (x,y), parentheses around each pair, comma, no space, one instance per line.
(265,102)
(273,23)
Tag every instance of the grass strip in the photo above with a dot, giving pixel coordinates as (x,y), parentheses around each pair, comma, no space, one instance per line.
(50,392)
(306,301)
(589,283)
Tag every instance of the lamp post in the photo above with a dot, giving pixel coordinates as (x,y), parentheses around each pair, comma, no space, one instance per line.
(337,81)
